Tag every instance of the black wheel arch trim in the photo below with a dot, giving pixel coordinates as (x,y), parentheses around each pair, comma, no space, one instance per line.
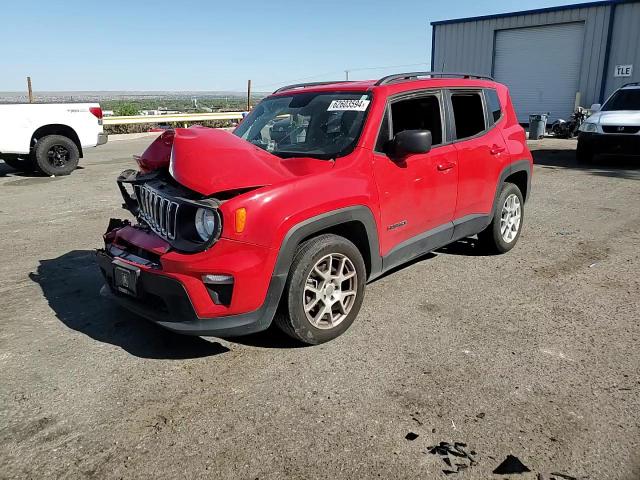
(319,223)
(57,129)
(514,167)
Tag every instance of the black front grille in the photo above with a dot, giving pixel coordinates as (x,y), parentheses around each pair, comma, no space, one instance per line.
(620,129)
(160,213)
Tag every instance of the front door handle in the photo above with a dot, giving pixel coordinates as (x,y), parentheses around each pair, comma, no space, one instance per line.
(446,166)
(496,149)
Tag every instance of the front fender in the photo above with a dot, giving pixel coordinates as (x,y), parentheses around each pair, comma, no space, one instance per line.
(322,222)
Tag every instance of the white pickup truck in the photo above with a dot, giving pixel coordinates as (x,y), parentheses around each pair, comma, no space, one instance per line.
(49,137)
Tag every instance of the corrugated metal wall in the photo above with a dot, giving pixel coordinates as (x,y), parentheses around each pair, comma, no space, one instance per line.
(468,46)
(625,45)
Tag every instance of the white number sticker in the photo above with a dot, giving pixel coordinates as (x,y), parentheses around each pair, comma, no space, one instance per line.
(353,105)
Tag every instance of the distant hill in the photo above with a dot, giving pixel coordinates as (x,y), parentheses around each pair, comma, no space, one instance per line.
(99,96)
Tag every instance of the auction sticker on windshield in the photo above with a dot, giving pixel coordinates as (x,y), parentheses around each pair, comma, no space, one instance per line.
(353,105)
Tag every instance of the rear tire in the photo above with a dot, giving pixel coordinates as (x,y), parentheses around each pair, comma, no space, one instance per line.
(23,163)
(324,290)
(504,230)
(56,155)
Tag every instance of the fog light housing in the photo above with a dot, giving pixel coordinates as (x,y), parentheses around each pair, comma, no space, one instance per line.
(219,287)
(215,278)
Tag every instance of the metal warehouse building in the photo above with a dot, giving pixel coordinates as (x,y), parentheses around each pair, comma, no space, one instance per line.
(552,59)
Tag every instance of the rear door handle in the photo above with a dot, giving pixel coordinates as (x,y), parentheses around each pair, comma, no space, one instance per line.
(496,149)
(446,166)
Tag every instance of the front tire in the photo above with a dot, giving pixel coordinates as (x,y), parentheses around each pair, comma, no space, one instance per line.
(56,155)
(324,290)
(504,230)
(22,163)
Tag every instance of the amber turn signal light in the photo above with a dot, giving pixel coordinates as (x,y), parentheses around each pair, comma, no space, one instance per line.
(241,219)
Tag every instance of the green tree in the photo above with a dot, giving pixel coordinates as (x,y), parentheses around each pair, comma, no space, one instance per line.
(125,110)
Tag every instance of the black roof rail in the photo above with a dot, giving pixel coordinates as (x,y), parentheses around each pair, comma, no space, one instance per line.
(414,76)
(305,85)
(631,84)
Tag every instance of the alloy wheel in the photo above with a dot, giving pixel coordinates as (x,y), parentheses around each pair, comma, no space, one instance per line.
(510,218)
(58,156)
(330,291)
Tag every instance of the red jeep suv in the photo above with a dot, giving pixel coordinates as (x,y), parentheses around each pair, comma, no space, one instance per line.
(322,188)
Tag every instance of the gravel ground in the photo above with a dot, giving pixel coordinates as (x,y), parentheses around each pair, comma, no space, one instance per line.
(532,354)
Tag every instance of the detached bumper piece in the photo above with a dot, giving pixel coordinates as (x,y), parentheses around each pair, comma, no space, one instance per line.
(611,144)
(165,301)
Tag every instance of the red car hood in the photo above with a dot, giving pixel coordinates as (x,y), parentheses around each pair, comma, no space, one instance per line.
(208,161)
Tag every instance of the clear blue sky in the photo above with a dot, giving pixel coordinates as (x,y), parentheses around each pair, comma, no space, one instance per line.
(217,45)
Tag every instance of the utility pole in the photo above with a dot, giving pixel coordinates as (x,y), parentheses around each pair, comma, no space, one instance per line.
(29,90)
(248,95)
(346,72)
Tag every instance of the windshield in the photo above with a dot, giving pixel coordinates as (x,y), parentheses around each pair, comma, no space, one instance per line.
(627,99)
(321,125)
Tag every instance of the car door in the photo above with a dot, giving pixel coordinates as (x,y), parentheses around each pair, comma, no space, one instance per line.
(481,148)
(417,192)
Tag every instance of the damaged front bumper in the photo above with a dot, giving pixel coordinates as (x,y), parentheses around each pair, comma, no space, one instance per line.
(144,275)
(165,301)
(175,301)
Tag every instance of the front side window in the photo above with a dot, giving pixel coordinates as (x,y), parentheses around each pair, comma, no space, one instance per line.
(627,99)
(321,125)
(420,113)
(468,114)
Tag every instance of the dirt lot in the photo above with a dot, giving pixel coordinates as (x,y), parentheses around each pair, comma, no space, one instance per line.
(533,354)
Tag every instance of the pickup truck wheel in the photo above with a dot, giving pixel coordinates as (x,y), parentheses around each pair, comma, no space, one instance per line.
(22,163)
(504,230)
(324,290)
(56,155)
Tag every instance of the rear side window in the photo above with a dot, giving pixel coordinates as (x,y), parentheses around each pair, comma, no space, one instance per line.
(493,105)
(468,114)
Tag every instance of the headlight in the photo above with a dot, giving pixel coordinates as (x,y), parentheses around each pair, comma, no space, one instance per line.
(206,223)
(588,127)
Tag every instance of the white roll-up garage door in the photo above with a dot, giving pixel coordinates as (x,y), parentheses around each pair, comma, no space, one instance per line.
(541,67)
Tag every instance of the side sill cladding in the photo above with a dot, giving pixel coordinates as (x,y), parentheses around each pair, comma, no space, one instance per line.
(322,222)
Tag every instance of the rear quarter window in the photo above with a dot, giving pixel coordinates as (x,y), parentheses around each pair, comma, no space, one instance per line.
(493,105)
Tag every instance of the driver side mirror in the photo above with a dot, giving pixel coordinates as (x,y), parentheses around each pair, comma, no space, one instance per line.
(595,107)
(410,141)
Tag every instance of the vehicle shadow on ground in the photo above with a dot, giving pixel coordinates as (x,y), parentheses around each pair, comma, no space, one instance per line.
(467,247)
(6,170)
(71,284)
(273,337)
(421,258)
(602,165)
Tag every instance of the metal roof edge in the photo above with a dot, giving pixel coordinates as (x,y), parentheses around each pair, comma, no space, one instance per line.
(600,3)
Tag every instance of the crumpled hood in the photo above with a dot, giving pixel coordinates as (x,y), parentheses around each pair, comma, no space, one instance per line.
(616,117)
(209,160)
